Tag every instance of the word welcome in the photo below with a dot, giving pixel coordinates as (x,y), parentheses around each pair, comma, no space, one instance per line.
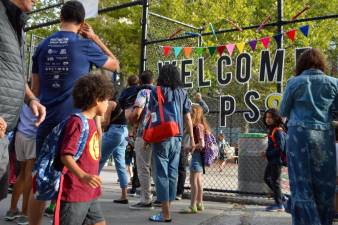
(270,71)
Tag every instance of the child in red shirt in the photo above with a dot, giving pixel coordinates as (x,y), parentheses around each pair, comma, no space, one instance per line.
(82,185)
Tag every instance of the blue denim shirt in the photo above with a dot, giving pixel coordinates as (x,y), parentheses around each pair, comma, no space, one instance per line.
(309,100)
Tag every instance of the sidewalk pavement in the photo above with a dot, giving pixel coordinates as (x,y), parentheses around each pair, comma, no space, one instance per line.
(215,214)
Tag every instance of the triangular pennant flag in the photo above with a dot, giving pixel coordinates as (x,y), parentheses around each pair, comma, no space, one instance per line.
(212,50)
(177,51)
(265,41)
(199,51)
(278,37)
(220,49)
(166,50)
(253,44)
(291,34)
(240,46)
(187,52)
(305,30)
(230,48)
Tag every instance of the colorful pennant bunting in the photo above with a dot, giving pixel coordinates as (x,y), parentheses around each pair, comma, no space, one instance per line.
(305,30)
(265,41)
(187,52)
(253,44)
(177,51)
(220,49)
(199,51)
(212,50)
(166,50)
(291,34)
(230,48)
(240,46)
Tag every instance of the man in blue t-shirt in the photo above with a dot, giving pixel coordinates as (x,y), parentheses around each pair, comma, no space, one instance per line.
(59,61)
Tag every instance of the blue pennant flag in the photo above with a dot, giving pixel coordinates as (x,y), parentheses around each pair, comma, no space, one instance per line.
(305,30)
(278,37)
(177,51)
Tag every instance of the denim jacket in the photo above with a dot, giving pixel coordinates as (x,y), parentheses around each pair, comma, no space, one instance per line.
(309,100)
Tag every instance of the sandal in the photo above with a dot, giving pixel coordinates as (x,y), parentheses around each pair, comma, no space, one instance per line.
(159,218)
(200,207)
(189,210)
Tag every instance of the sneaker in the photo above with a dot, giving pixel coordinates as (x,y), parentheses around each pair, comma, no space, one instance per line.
(157,203)
(49,211)
(10,188)
(12,215)
(178,197)
(200,207)
(132,193)
(22,220)
(141,206)
(121,201)
(275,208)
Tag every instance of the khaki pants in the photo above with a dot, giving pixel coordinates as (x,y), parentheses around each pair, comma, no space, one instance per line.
(144,164)
(4,167)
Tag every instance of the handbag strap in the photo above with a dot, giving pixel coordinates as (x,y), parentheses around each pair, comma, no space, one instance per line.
(160,100)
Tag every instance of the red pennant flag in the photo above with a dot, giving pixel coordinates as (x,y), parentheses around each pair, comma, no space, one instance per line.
(220,49)
(291,34)
(187,52)
(265,41)
(166,50)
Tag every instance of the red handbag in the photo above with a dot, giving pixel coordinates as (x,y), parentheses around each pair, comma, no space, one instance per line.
(162,120)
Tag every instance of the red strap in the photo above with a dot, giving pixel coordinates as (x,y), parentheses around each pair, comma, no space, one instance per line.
(58,200)
(160,100)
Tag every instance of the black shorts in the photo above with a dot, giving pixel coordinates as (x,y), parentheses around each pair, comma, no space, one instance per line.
(80,213)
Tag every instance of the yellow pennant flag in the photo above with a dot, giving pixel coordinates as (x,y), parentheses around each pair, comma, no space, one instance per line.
(240,46)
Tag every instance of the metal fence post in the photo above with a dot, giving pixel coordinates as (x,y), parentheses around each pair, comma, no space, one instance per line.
(280,30)
(144,22)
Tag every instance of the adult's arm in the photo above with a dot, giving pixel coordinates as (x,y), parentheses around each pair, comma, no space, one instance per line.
(34,104)
(106,118)
(112,63)
(135,115)
(287,102)
(3,127)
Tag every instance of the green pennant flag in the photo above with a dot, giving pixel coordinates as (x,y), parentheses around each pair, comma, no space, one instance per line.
(212,50)
(199,51)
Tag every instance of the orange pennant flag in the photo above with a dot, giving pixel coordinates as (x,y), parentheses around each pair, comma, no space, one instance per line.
(187,52)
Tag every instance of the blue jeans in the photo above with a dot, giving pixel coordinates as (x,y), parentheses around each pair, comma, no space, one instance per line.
(167,156)
(114,143)
(312,174)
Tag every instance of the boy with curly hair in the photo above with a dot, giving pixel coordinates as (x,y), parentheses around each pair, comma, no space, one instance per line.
(81,187)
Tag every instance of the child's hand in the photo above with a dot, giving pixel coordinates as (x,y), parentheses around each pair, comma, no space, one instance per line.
(91,180)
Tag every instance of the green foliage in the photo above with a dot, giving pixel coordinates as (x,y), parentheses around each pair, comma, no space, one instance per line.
(121,31)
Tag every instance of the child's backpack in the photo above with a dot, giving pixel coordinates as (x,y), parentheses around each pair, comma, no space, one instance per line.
(47,170)
(281,150)
(211,149)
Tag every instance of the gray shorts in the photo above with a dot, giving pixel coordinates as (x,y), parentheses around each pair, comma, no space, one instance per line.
(25,148)
(4,167)
(81,213)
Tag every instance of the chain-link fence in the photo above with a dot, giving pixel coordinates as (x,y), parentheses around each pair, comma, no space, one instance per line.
(32,43)
(241,168)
